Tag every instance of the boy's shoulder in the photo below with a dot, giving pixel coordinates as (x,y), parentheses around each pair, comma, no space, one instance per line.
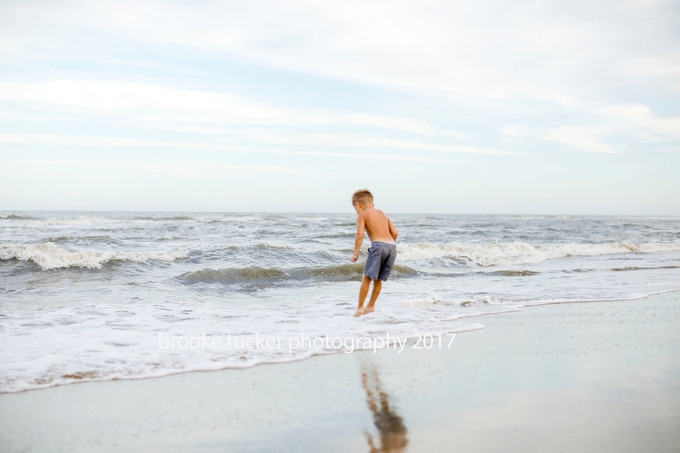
(372,213)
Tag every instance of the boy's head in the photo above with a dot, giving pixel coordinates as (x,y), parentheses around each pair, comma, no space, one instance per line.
(363,198)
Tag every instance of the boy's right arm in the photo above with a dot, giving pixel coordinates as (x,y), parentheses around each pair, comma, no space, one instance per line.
(393,230)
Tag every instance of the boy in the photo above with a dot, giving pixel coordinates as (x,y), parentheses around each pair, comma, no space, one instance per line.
(383,251)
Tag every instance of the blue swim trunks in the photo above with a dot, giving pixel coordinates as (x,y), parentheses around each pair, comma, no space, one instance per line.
(381,256)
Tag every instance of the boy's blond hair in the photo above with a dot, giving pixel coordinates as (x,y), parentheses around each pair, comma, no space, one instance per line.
(363,197)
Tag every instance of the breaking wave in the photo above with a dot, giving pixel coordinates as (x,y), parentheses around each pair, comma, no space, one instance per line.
(642,268)
(255,275)
(514,273)
(7,216)
(163,219)
(51,256)
(493,253)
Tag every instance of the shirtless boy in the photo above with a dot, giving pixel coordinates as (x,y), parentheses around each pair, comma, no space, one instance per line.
(383,250)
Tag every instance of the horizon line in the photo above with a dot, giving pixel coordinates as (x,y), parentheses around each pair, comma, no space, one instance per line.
(10,211)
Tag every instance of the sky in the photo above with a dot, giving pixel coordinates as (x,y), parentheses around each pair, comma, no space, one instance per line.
(479,107)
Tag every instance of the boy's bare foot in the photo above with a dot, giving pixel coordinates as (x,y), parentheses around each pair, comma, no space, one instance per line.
(369,309)
(359,312)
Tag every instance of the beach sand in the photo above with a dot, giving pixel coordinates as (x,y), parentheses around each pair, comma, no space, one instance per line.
(600,377)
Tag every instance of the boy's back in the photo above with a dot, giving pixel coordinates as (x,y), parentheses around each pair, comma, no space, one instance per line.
(378,226)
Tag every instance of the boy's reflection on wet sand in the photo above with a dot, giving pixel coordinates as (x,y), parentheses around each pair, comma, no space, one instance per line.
(392,434)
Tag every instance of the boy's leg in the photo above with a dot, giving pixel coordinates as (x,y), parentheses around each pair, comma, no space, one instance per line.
(363,291)
(377,286)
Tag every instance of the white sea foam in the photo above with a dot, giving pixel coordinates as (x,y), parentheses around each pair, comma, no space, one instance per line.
(81,220)
(50,256)
(495,253)
(100,343)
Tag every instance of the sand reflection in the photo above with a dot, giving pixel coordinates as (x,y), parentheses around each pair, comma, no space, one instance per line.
(392,434)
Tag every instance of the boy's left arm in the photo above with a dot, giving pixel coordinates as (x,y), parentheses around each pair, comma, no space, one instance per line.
(359,238)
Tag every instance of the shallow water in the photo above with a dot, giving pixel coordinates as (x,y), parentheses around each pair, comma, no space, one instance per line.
(85,296)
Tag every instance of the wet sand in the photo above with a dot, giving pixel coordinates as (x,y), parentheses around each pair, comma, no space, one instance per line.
(600,377)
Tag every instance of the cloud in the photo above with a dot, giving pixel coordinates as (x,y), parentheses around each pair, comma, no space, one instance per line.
(554,51)
(454,134)
(262,136)
(360,142)
(641,116)
(369,156)
(148,103)
(24,139)
(516,131)
(580,138)
(186,169)
(27,139)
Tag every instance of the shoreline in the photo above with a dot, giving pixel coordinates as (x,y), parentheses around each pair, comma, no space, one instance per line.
(531,375)
(313,353)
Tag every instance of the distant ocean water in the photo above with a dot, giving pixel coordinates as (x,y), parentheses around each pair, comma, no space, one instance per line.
(85,296)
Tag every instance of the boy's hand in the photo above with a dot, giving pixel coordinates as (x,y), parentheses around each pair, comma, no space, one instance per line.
(354,257)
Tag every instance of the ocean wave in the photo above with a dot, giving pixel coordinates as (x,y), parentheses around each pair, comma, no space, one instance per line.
(257,247)
(494,253)
(642,268)
(255,275)
(163,219)
(93,219)
(50,256)
(514,273)
(252,274)
(106,239)
(335,236)
(8,216)
(81,220)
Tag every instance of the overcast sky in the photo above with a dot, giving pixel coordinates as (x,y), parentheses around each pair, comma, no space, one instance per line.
(521,107)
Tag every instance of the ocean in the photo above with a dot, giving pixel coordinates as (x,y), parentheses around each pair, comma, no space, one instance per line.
(112,295)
